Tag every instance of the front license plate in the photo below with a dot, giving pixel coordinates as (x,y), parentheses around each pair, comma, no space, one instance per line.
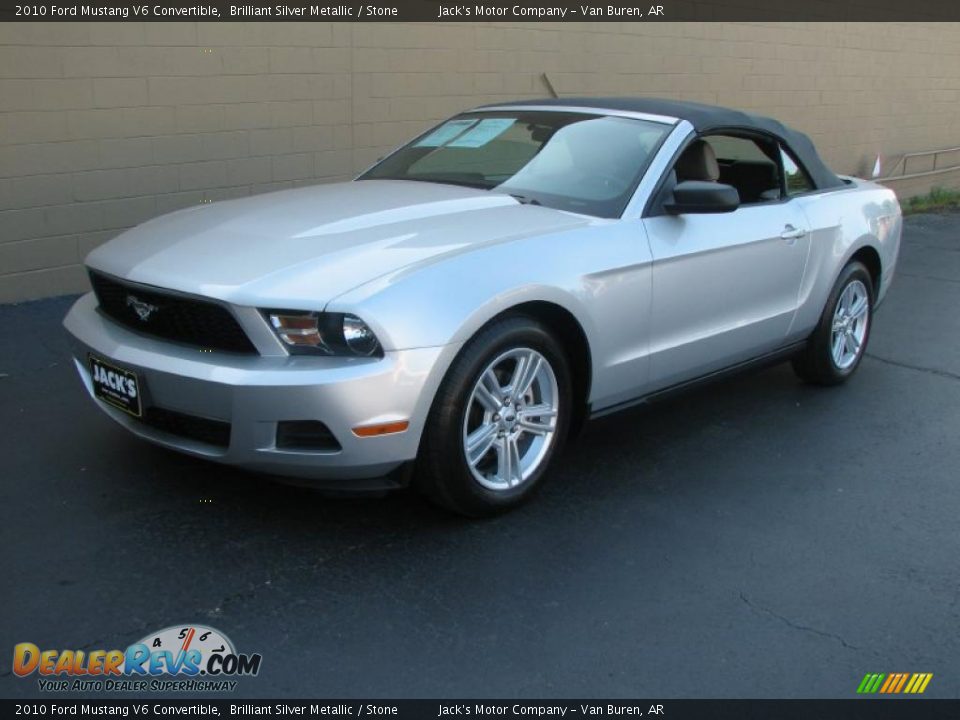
(115,386)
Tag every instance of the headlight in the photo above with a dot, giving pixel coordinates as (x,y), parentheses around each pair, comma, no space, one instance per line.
(307,333)
(358,336)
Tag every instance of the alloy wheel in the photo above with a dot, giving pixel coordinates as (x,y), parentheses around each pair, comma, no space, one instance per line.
(511,419)
(850,321)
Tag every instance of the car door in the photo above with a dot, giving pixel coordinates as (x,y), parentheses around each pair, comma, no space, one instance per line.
(725,285)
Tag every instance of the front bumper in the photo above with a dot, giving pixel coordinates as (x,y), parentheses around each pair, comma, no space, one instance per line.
(254,393)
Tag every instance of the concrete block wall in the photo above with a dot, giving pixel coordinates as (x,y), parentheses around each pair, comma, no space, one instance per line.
(104,125)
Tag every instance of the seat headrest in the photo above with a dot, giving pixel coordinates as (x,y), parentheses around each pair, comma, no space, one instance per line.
(698,162)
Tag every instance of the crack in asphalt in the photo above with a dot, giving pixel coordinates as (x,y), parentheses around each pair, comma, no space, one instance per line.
(918,368)
(239,596)
(932,245)
(789,623)
(252,591)
(929,277)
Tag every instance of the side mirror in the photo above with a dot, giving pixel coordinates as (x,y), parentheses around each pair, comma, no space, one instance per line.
(697,196)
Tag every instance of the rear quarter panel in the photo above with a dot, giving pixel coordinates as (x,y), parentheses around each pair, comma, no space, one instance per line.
(842,222)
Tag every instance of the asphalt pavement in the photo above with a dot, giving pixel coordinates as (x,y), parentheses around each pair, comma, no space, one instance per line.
(757,538)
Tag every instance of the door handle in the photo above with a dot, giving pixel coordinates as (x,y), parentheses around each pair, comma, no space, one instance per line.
(792,233)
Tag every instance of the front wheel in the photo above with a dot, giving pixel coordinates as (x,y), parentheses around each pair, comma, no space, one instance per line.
(837,346)
(499,418)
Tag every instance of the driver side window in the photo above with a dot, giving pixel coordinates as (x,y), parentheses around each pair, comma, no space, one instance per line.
(751,165)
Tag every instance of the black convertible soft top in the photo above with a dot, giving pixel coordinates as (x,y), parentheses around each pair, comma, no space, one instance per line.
(707,118)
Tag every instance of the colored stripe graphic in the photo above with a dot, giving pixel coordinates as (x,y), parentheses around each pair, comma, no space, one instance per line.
(870,683)
(913,681)
(894,683)
(903,681)
(918,683)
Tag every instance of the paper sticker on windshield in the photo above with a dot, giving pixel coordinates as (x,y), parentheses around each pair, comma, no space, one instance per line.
(445,133)
(484,132)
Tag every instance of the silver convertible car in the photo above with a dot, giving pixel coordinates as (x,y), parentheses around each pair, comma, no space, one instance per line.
(453,314)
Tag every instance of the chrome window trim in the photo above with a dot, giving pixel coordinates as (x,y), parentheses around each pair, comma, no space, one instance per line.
(653,177)
(663,119)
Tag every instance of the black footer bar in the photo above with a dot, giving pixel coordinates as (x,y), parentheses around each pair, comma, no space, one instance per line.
(867,709)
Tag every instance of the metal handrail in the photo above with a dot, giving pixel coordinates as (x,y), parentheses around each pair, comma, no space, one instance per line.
(901,164)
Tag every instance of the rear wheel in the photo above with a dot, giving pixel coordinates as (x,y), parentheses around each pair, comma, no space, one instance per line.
(499,418)
(834,351)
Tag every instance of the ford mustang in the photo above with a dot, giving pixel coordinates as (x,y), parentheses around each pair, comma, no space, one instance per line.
(453,314)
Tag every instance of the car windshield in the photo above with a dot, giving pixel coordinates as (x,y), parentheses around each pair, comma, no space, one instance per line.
(578,162)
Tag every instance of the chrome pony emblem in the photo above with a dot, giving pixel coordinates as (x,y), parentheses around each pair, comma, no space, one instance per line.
(143,309)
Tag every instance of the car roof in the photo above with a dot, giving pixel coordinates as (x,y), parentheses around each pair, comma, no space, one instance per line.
(704,118)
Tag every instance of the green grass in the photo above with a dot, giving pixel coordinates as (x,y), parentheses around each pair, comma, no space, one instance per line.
(937,199)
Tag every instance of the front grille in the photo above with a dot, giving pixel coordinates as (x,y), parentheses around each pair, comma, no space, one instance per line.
(201,323)
(204,430)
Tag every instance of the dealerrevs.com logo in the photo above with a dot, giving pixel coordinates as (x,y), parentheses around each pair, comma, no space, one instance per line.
(187,658)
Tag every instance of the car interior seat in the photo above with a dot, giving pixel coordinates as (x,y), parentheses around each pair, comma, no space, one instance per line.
(698,162)
(755,180)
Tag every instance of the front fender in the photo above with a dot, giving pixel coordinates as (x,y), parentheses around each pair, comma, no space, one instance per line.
(449,302)
(599,273)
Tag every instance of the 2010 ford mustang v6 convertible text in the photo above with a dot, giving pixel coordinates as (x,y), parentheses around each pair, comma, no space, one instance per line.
(471,298)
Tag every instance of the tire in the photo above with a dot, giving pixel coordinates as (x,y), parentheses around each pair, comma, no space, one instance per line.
(487,478)
(823,361)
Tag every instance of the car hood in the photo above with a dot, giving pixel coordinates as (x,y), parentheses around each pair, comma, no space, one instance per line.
(301,248)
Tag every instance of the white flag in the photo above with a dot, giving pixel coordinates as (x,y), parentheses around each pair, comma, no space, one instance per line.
(876,168)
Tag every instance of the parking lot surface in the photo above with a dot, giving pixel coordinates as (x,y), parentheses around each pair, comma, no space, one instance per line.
(757,538)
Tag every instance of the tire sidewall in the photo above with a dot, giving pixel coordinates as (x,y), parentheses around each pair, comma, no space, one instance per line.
(444,435)
(853,271)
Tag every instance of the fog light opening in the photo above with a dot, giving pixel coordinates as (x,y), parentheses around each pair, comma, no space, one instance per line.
(306,435)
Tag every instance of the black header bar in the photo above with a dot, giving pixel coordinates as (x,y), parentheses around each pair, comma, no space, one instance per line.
(486,11)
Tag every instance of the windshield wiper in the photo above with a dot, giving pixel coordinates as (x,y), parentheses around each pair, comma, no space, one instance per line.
(436,179)
(447,180)
(525,199)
